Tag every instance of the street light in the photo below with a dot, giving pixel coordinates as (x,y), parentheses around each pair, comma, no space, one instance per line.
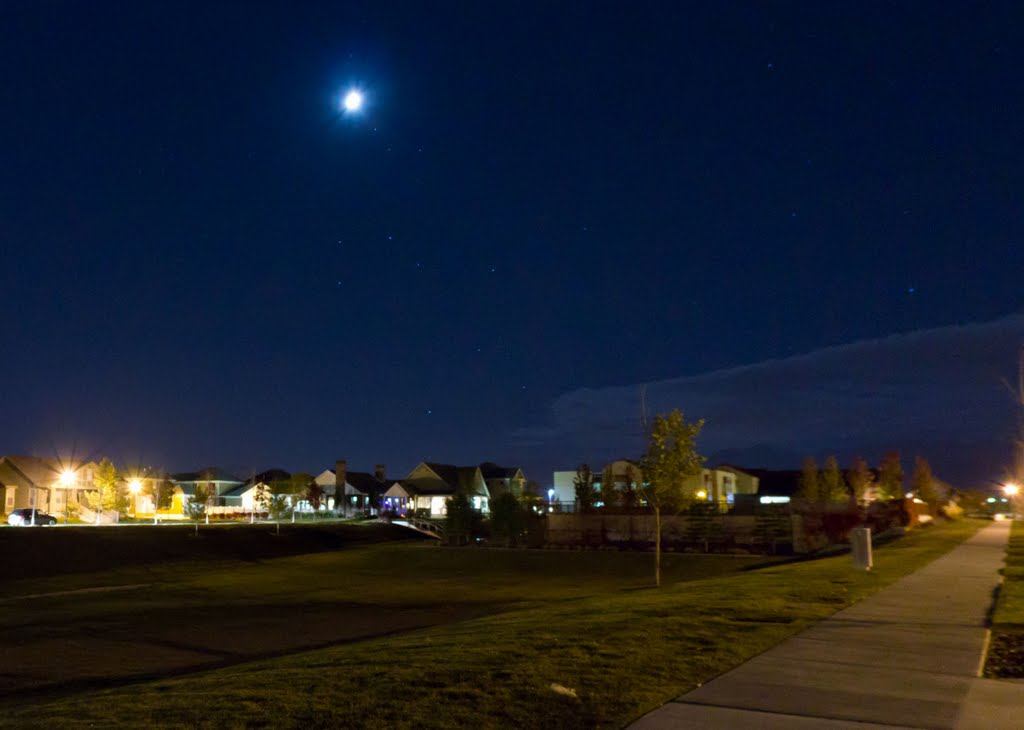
(135,486)
(66,479)
(1011,491)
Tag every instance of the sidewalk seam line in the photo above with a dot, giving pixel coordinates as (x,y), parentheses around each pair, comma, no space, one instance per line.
(791,714)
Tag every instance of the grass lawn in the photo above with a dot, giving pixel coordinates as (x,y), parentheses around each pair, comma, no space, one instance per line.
(74,550)
(497,628)
(1006,652)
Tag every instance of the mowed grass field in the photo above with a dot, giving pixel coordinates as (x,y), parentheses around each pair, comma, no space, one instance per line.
(410,635)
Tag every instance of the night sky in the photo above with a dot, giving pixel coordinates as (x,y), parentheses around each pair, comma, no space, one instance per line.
(205,261)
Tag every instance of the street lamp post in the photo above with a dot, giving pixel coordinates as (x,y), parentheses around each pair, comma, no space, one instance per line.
(1011,491)
(135,486)
(67,478)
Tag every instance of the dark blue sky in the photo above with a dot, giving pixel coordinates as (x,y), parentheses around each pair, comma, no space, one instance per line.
(204,262)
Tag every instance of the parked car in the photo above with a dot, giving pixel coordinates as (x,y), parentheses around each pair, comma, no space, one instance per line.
(23,517)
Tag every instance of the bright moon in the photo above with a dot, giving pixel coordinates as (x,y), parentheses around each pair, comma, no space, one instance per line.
(353,101)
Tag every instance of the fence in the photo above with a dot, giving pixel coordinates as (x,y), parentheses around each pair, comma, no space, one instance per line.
(706,533)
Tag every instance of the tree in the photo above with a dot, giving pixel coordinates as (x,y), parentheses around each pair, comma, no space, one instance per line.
(809,491)
(922,482)
(262,498)
(890,476)
(108,494)
(859,477)
(670,460)
(281,500)
(161,491)
(831,485)
(315,495)
(459,517)
(195,508)
(507,518)
(609,494)
(279,507)
(298,488)
(583,483)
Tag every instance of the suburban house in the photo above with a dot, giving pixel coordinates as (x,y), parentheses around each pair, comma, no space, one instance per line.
(149,482)
(361,492)
(719,485)
(218,482)
(623,474)
(327,480)
(722,484)
(245,496)
(49,485)
(501,479)
(429,486)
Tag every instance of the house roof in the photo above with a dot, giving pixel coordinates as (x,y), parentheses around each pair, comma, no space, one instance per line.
(366,483)
(10,476)
(32,470)
(447,473)
(490,470)
(425,487)
(269,476)
(734,469)
(238,491)
(450,479)
(209,474)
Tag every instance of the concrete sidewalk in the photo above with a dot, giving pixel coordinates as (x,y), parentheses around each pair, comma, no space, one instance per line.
(908,656)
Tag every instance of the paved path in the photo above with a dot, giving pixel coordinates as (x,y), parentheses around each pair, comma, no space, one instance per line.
(908,656)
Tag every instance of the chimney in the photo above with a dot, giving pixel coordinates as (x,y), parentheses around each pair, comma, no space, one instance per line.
(378,472)
(340,474)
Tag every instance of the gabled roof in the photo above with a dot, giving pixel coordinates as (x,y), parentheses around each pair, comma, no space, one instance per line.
(448,479)
(734,469)
(269,476)
(209,474)
(366,483)
(467,478)
(490,470)
(425,487)
(447,473)
(238,491)
(34,470)
(10,476)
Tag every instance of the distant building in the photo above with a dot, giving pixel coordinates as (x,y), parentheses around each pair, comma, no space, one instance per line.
(430,485)
(49,485)
(501,479)
(245,496)
(719,485)
(215,480)
(359,493)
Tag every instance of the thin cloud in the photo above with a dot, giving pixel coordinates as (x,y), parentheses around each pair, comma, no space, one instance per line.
(937,392)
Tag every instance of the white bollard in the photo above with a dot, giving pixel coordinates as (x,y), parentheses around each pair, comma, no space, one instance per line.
(860,542)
